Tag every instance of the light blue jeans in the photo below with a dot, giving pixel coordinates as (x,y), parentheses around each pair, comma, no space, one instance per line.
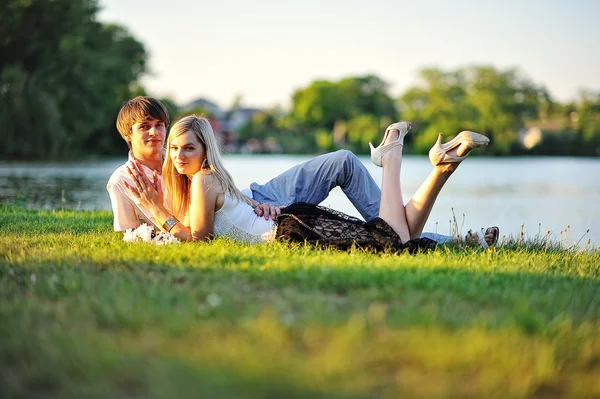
(312,181)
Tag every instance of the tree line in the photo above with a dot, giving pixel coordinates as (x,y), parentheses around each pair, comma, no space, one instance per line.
(64,76)
(505,105)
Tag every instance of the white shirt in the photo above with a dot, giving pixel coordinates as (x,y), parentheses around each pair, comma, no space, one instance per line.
(237,220)
(127,213)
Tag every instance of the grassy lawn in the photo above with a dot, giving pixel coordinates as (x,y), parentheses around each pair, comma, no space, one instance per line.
(85,315)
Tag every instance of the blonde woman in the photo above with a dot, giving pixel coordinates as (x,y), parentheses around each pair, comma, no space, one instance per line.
(207,203)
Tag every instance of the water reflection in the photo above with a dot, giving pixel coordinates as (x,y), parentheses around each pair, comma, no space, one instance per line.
(52,193)
(56,185)
(508,192)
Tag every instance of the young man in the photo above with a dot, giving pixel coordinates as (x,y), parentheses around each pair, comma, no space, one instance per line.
(143,123)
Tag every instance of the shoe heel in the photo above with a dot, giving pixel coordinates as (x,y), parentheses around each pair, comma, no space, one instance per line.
(375,155)
(435,153)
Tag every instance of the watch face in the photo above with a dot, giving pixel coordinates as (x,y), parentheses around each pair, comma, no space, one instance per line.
(169,223)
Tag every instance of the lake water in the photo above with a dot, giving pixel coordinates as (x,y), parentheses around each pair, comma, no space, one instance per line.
(555,192)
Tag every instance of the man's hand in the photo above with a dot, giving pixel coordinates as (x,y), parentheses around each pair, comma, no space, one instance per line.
(267,210)
(146,193)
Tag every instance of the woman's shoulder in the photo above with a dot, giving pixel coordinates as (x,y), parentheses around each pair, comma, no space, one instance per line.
(207,181)
(204,177)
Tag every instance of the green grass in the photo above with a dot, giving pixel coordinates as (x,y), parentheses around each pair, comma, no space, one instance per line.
(84,314)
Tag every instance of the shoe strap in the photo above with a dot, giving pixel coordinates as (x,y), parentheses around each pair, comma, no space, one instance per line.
(384,150)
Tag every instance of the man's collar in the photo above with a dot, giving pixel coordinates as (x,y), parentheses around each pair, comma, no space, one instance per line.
(131,158)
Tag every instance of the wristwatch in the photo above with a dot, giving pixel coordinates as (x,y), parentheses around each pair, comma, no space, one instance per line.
(169,223)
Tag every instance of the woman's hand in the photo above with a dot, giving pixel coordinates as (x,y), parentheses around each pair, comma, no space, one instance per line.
(267,210)
(145,192)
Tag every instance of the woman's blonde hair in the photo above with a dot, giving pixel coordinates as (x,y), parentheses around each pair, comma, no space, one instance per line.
(178,185)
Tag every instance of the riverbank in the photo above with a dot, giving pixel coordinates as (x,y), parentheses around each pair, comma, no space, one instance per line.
(85,314)
(543,194)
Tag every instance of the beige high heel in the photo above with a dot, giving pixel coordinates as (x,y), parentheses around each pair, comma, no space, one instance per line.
(378,153)
(439,152)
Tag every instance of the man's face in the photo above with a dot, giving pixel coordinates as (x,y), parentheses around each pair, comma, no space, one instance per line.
(147,138)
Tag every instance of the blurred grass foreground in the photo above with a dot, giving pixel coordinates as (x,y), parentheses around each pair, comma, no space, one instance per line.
(85,314)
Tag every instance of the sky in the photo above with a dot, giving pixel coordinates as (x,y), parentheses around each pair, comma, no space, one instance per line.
(264,50)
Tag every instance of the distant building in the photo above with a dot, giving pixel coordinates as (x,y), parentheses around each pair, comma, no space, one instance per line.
(216,125)
(238,118)
(533,132)
(531,137)
(227,125)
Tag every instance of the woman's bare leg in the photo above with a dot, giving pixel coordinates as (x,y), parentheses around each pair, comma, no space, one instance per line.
(391,208)
(419,207)
(408,221)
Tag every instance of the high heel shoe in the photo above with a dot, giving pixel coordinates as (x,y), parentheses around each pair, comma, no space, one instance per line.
(439,152)
(378,153)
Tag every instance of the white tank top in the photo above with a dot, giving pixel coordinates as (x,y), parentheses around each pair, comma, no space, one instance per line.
(238,221)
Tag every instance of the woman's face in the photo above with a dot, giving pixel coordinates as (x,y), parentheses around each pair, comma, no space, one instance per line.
(187,153)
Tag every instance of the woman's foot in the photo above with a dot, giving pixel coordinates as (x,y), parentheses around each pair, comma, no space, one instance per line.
(457,149)
(393,137)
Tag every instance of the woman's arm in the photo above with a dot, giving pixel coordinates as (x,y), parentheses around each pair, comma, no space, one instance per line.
(205,189)
(150,196)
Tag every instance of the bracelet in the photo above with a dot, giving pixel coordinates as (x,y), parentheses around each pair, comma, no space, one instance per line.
(169,223)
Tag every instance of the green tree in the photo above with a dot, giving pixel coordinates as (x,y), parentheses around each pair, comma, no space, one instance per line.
(32,31)
(367,95)
(587,123)
(262,125)
(64,78)
(360,130)
(320,105)
(323,103)
(439,104)
(172,108)
(350,102)
(494,103)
